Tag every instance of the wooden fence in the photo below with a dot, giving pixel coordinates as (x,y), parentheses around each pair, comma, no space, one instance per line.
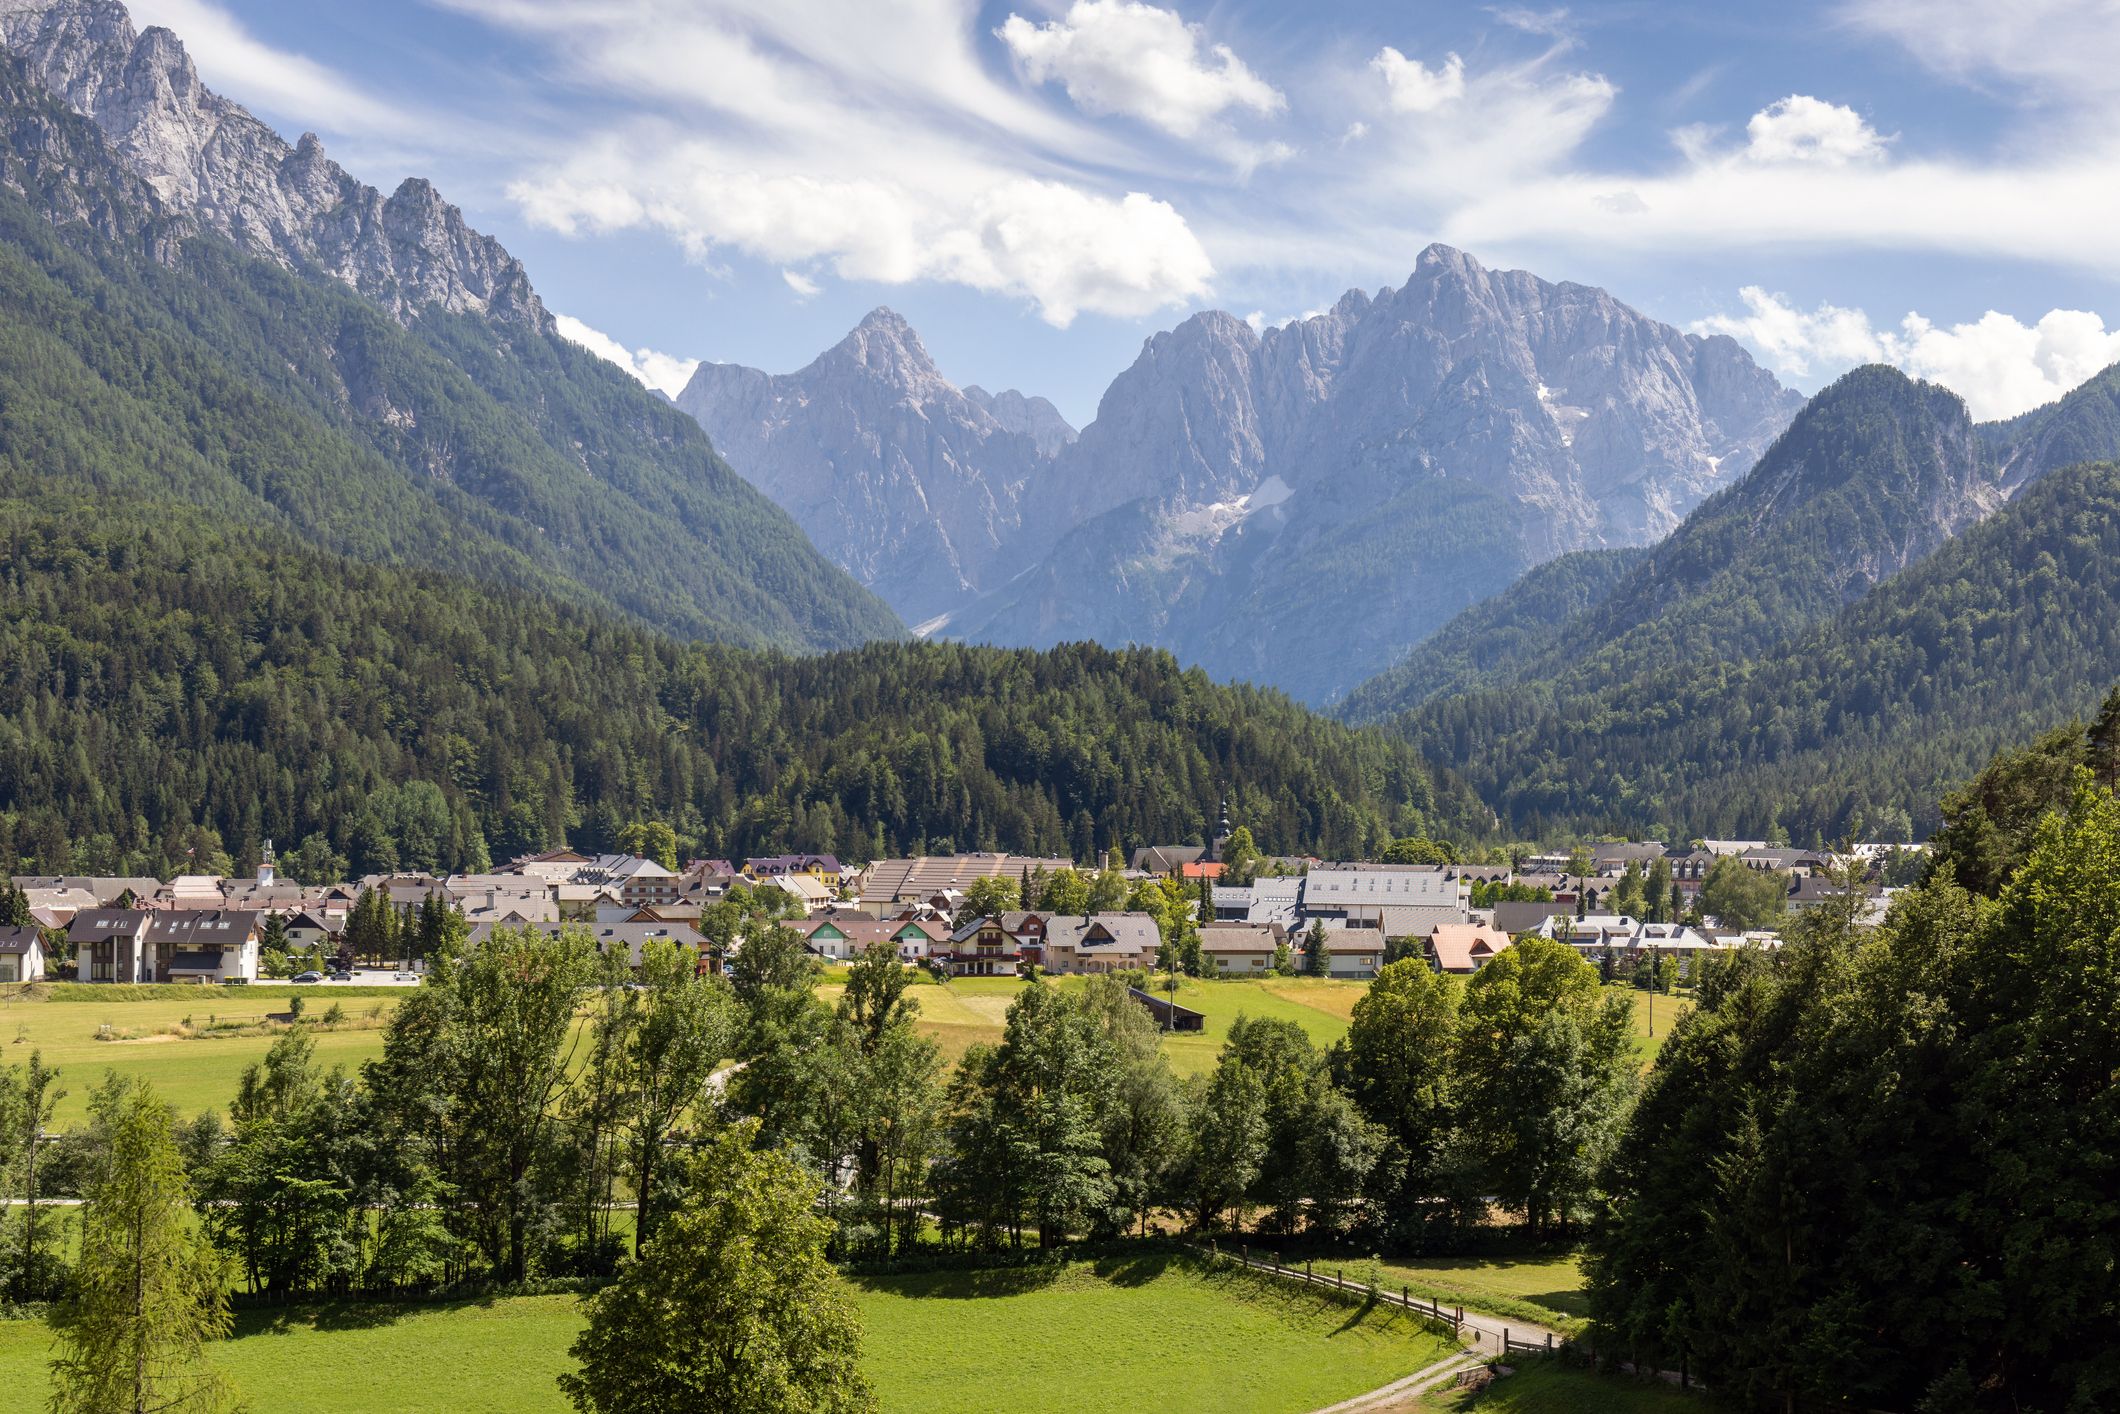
(1451,1318)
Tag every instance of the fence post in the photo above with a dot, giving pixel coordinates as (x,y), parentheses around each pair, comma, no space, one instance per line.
(1247,1254)
(1549,1342)
(1405,1296)
(1307,1273)
(1505,1340)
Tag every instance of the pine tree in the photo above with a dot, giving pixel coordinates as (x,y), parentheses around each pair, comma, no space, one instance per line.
(146,1297)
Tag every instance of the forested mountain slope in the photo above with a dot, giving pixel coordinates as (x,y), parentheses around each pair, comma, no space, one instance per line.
(1860,723)
(1874,473)
(1525,623)
(170,673)
(143,354)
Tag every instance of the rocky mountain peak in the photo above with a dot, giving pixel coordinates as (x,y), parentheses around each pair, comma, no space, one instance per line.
(909,482)
(211,159)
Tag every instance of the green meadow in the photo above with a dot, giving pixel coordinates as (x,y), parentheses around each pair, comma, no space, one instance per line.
(1116,1335)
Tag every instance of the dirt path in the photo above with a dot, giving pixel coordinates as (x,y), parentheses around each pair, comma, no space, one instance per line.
(1401,1394)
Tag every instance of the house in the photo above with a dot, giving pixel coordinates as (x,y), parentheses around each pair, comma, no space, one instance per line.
(1785,858)
(823,867)
(1610,861)
(1200,869)
(1593,931)
(981,948)
(1399,901)
(165,945)
(842,937)
(1104,942)
(608,937)
(1168,1014)
(1354,952)
(1267,902)
(1722,847)
(1693,866)
(21,953)
(1464,948)
(1513,918)
(315,929)
(809,890)
(1166,859)
(888,883)
(1241,949)
(919,938)
(556,866)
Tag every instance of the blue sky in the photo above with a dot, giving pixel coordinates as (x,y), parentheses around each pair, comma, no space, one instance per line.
(1038,187)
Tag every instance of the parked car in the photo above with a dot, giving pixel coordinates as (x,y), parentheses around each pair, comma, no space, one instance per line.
(404,976)
(309,977)
(339,974)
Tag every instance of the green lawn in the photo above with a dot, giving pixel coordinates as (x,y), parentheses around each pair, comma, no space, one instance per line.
(1544,1290)
(1087,1337)
(974,1009)
(1549,1387)
(194,1074)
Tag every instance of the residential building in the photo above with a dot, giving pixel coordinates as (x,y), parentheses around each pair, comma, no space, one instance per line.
(21,953)
(1355,952)
(1513,918)
(1167,859)
(1241,949)
(889,883)
(1464,948)
(1610,861)
(1400,901)
(824,867)
(983,947)
(1269,902)
(608,937)
(165,945)
(1103,942)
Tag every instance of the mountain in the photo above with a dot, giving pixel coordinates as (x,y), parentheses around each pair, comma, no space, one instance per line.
(2083,425)
(184,322)
(1525,623)
(178,680)
(1874,473)
(1301,505)
(909,482)
(1856,724)
(211,160)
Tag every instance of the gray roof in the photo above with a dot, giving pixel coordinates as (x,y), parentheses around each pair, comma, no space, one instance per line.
(1514,916)
(20,938)
(1378,886)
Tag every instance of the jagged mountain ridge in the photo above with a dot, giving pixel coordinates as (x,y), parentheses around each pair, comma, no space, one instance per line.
(1301,505)
(1877,472)
(910,483)
(373,419)
(208,157)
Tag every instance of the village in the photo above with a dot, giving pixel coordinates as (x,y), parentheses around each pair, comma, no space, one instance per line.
(1211,910)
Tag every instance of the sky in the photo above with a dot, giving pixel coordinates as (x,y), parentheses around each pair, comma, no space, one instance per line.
(1039,187)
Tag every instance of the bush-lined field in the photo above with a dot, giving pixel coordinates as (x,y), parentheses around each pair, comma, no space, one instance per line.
(1116,1335)
(1543,1290)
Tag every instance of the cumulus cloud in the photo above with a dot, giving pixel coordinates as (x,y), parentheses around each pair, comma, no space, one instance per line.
(1064,249)
(1118,56)
(662,371)
(1998,364)
(1800,128)
(1413,87)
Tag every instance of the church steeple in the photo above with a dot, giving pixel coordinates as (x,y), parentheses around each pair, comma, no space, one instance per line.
(266,872)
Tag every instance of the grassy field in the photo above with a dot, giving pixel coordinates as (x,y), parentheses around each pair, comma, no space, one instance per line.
(1080,1338)
(970,1010)
(1548,1387)
(1544,1290)
(194,1073)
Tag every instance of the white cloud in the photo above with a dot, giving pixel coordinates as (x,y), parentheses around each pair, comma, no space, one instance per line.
(1800,128)
(2065,51)
(1413,86)
(1064,249)
(1998,364)
(237,63)
(1117,56)
(803,286)
(658,370)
